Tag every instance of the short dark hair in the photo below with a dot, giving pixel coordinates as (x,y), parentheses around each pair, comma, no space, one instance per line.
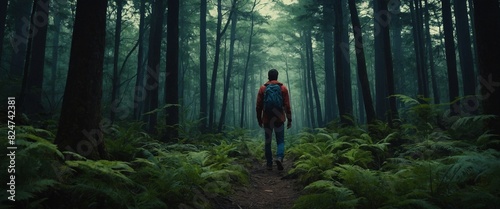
(272,74)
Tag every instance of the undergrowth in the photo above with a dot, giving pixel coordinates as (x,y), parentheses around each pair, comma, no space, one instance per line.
(426,163)
(429,161)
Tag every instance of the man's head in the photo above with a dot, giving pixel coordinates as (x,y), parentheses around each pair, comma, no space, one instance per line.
(272,74)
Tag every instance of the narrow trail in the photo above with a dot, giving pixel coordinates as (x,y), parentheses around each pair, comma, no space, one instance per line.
(266,190)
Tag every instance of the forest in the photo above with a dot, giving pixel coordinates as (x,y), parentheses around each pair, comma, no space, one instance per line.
(143,104)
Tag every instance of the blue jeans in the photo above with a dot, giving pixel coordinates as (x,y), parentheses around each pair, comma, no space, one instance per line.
(279,130)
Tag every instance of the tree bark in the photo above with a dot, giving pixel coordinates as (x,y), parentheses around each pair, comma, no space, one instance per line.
(245,75)
(361,64)
(339,68)
(487,27)
(116,75)
(312,72)
(32,94)
(79,129)
(55,54)
(451,61)
(435,89)
(203,66)
(230,66)
(172,71)
(328,20)
(464,47)
(393,114)
(380,72)
(346,59)
(218,39)
(307,75)
(153,68)
(19,38)
(140,91)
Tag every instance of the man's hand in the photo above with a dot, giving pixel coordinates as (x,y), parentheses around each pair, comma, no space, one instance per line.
(289,125)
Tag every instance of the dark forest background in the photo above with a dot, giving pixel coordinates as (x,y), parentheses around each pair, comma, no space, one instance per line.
(158,96)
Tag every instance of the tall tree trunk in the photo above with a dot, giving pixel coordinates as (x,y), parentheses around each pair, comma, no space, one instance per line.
(312,72)
(487,27)
(339,68)
(116,74)
(55,54)
(3,16)
(430,54)
(172,75)
(203,66)
(346,58)
(140,91)
(451,61)
(153,69)
(27,60)
(361,63)
(79,129)
(22,33)
(464,47)
(397,44)
(380,72)
(218,38)
(245,76)
(307,74)
(328,20)
(33,95)
(418,46)
(386,45)
(230,66)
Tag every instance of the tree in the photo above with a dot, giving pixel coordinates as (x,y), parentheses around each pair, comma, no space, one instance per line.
(172,72)
(419,45)
(153,68)
(116,74)
(451,61)
(55,48)
(203,65)
(140,91)
(380,65)
(361,63)
(249,52)
(218,38)
(328,20)
(19,39)
(79,129)
(435,90)
(33,80)
(487,28)
(464,47)
(313,82)
(230,66)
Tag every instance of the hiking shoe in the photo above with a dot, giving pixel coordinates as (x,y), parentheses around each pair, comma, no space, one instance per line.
(279,163)
(269,167)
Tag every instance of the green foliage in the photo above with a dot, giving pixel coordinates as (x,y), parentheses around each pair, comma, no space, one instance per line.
(150,174)
(416,166)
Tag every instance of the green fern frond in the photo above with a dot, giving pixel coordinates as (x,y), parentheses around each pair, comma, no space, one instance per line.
(463,121)
(406,99)
(104,168)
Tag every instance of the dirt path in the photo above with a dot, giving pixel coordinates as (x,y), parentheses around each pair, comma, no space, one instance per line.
(267,190)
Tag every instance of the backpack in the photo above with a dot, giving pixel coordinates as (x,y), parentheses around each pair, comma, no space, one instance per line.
(273,99)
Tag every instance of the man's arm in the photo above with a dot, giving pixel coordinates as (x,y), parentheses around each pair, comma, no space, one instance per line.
(260,106)
(286,103)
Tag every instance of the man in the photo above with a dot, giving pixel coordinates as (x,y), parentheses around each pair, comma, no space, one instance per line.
(273,108)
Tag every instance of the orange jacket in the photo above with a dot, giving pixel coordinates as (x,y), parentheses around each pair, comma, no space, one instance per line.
(287,110)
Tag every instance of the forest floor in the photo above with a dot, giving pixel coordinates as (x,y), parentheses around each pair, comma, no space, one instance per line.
(266,190)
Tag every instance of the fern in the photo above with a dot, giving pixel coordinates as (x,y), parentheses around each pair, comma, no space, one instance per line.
(464,121)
